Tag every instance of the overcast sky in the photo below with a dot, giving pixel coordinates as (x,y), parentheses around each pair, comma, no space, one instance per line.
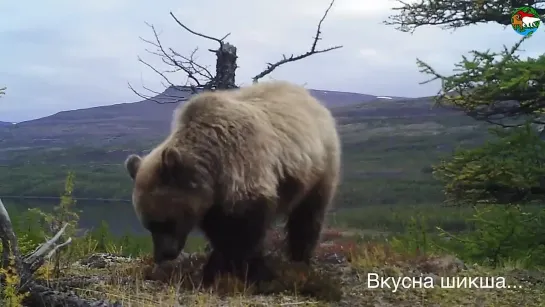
(59,55)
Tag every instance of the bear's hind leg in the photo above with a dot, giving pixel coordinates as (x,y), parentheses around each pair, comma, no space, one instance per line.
(305,222)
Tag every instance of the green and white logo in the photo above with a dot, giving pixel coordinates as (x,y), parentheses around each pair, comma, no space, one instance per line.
(525,20)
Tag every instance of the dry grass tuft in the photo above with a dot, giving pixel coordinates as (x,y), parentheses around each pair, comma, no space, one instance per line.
(292,279)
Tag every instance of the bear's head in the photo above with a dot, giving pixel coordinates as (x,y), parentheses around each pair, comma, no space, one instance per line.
(168,198)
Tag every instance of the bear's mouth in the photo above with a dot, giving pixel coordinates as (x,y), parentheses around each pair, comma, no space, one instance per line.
(166,247)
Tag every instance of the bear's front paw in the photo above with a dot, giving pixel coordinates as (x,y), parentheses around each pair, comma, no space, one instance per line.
(156,273)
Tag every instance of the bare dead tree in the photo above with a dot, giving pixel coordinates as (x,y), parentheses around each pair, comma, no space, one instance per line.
(200,77)
(26,266)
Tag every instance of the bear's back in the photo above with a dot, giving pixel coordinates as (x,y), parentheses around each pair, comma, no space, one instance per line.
(299,120)
(259,134)
(287,106)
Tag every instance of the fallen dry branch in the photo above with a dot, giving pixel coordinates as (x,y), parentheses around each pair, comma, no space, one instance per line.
(26,266)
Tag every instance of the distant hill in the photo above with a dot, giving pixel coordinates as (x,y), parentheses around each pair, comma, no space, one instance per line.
(143,120)
(2,124)
(329,98)
(389,144)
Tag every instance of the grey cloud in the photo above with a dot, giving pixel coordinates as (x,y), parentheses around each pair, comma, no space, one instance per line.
(31,36)
(71,55)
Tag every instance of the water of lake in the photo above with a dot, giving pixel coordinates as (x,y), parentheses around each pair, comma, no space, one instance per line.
(120,217)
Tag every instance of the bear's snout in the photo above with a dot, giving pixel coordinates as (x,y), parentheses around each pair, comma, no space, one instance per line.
(165,248)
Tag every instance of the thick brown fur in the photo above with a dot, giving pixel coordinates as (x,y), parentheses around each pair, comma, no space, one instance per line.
(234,161)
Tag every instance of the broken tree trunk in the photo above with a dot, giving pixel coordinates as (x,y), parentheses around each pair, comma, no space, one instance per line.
(25,267)
(226,65)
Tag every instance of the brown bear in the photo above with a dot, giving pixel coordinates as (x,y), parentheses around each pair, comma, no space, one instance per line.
(233,162)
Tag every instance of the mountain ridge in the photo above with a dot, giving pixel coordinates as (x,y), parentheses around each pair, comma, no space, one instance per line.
(388,146)
(147,120)
(330,98)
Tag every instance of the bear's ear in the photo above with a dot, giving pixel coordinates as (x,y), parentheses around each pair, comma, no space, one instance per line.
(172,165)
(132,163)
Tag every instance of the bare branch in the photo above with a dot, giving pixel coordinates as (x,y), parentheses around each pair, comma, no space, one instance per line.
(157,71)
(220,41)
(185,64)
(271,67)
(198,76)
(36,259)
(197,68)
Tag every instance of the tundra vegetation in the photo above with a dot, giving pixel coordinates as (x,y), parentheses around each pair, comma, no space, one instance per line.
(488,233)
